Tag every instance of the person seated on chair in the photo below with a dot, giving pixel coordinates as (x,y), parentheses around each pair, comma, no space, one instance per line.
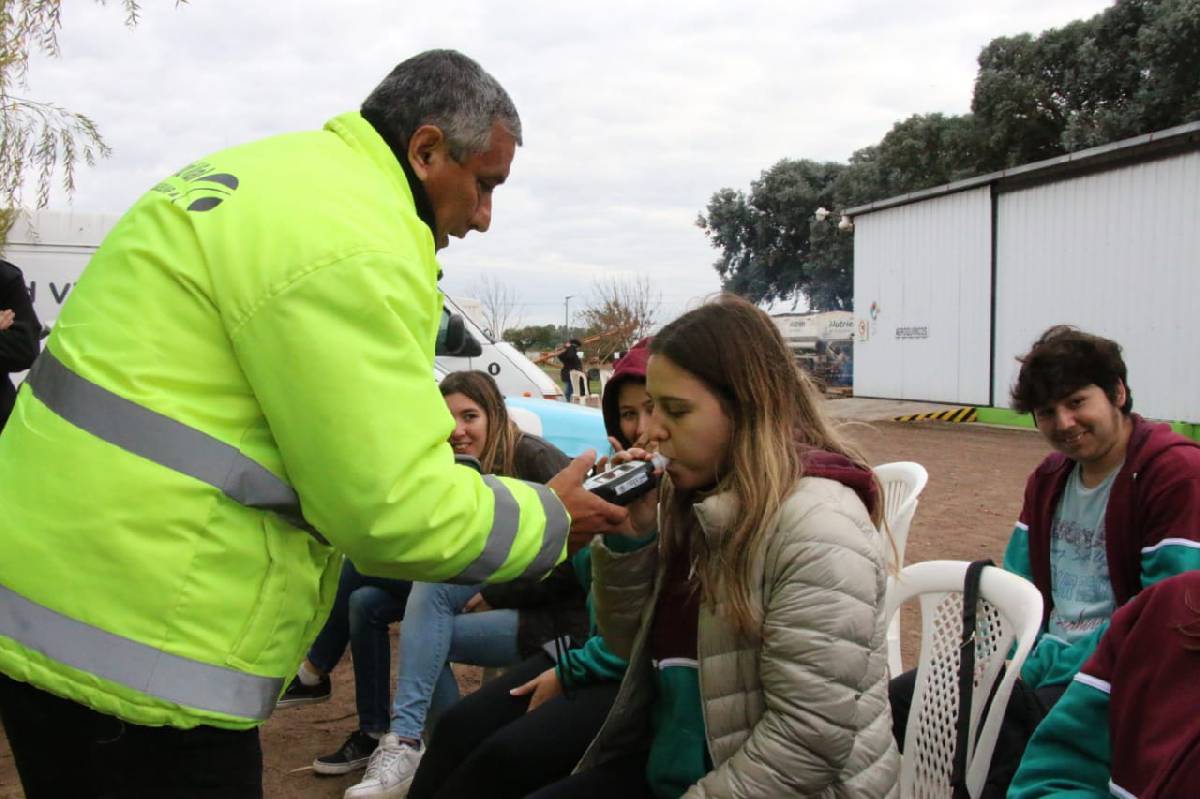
(1128,724)
(529,727)
(1114,509)
(754,627)
(366,606)
(482,625)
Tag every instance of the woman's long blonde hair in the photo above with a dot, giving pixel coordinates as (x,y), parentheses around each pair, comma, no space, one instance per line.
(500,449)
(736,350)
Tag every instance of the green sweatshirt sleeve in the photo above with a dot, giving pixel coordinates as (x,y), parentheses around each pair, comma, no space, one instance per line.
(1056,662)
(591,663)
(1016,555)
(1167,558)
(594,662)
(1070,753)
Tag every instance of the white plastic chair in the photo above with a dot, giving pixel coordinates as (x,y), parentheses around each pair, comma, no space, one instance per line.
(902,483)
(1010,608)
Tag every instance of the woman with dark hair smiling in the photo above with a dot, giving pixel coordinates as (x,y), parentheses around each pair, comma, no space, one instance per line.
(492,625)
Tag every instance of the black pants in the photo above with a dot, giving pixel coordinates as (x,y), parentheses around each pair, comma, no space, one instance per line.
(64,749)
(1025,711)
(487,745)
(900,695)
(624,777)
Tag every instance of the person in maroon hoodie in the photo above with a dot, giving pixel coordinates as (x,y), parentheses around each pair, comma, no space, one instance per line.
(519,732)
(1128,724)
(1114,509)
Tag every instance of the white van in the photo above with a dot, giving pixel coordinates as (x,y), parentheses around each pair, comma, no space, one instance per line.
(53,247)
(516,375)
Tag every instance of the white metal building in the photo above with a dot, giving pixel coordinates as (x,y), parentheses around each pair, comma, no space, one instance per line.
(951,284)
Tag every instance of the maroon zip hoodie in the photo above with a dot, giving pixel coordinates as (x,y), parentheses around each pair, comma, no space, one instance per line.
(631,366)
(1156,495)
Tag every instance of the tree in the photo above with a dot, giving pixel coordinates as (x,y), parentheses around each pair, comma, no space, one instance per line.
(920,152)
(534,337)
(1132,69)
(501,310)
(764,237)
(38,139)
(620,311)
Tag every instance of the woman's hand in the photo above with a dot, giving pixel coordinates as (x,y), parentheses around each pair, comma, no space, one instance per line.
(476,604)
(643,512)
(602,463)
(544,687)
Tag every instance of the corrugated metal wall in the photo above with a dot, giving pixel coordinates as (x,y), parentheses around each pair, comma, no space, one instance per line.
(1115,253)
(922,300)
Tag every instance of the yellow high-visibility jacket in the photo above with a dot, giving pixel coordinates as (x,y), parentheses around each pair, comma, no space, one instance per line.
(239,388)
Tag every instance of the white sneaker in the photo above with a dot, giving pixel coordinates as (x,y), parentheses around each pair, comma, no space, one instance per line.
(390,772)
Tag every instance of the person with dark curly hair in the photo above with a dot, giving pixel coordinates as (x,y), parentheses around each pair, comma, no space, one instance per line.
(1113,510)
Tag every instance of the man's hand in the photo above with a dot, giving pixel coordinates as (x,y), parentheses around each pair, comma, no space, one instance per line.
(589,514)
(544,687)
(7,317)
(476,604)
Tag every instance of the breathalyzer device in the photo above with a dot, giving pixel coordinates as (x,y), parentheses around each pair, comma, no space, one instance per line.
(623,484)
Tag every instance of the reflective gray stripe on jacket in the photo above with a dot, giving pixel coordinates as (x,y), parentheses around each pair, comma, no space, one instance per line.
(143,668)
(163,440)
(505,523)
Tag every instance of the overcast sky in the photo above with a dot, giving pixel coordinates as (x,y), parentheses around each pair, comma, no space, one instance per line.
(633,113)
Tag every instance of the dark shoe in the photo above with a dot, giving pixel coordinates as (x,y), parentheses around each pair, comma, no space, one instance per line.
(298,693)
(353,755)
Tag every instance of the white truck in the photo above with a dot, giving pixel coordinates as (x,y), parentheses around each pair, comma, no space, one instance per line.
(53,247)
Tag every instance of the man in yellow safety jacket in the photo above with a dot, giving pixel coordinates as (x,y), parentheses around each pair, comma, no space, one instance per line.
(238,391)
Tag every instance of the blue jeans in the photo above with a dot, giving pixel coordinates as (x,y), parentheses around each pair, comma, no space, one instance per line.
(361,613)
(435,632)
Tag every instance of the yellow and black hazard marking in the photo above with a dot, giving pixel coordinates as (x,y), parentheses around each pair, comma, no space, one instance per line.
(950,415)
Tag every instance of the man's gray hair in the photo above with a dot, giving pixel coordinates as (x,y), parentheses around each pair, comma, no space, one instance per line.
(446,89)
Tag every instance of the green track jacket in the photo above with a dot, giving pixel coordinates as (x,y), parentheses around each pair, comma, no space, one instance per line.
(240,386)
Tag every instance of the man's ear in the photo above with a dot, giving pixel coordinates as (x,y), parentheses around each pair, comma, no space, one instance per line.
(426,149)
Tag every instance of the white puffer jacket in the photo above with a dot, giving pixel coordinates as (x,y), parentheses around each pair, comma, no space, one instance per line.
(805,711)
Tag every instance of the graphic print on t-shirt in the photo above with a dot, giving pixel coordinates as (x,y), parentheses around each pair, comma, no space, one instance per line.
(1079,582)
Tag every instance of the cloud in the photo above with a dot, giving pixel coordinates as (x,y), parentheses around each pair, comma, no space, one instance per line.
(634,113)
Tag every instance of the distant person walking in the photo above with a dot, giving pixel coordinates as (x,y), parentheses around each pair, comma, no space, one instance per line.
(572,367)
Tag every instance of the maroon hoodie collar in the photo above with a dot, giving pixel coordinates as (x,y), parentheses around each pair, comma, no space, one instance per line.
(718,510)
(834,466)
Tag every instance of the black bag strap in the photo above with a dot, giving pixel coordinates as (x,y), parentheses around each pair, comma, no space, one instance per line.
(966,676)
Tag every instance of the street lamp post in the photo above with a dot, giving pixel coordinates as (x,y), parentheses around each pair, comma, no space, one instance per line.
(567,315)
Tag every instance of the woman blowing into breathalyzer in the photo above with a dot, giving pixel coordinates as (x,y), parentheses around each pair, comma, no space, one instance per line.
(754,626)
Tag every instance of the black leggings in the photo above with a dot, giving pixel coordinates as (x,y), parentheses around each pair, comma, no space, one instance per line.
(624,777)
(487,745)
(65,749)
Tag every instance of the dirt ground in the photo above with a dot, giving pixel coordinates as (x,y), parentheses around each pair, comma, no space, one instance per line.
(976,477)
